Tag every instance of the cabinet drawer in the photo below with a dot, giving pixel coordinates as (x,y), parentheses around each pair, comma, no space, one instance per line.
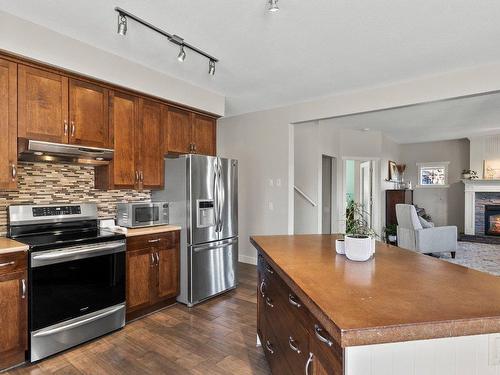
(274,353)
(13,262)
(325,348)
(158,240)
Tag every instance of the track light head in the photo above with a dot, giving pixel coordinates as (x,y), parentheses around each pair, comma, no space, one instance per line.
(182,54)
(273,6)
(122,24)
(211,67)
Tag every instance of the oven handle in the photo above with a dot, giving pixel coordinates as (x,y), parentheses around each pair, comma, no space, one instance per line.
(76,251)
(78,324)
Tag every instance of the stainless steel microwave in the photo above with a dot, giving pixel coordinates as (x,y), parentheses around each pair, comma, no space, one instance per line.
(141,214)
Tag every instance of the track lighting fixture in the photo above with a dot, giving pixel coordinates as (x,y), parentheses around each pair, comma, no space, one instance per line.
(211,67)
(122,24)
(124,16)
(273,6)
(182,54)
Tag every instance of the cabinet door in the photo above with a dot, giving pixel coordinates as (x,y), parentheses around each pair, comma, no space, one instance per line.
(8,124)
(140,271)
(42,105)
(168,273)
(204,135)
(88,110)
(179,131)
(13,318)
(150,145)
(123,124)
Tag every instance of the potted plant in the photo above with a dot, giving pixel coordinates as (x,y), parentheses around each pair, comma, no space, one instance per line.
(359,238)
(390,232)
(469,174)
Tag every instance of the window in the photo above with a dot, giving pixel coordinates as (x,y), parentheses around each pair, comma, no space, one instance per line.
(433,174)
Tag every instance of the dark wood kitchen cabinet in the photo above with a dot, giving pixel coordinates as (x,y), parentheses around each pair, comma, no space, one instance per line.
(8,125)
(136,135)
(204,136)
(54,108)
(152,272)
(13,309)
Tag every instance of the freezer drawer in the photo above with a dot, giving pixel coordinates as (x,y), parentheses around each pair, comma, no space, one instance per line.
(213,268)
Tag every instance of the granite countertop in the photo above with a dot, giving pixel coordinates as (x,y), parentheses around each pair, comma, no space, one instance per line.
(9,246)
(399,295)
(131,232)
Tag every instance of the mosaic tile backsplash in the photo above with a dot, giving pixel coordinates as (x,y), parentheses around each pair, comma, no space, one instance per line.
(41,183)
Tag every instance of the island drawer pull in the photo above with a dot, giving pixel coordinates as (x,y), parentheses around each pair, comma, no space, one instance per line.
(269,302)
(269,347)
(293,300)
(153,241)
(7,264)
(261,288)
(269,270)
(308,363)
(293,345)
(318,330)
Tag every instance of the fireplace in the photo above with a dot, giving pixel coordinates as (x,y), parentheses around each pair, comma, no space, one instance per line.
(492,220)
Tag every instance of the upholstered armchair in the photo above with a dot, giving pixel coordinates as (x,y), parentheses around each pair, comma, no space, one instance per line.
(413,236)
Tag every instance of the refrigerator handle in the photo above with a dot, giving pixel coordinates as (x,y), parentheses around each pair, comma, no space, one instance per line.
(221,198)
(216,196)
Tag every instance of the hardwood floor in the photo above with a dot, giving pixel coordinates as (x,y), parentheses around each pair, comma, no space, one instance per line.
(216,337)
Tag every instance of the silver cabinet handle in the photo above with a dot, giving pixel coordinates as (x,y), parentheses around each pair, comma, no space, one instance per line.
(269,270)
(293,301)
(65,127)
(23,284)
(308,363)
(261,288)
(7,264)
(141,176)
(153,241)
(137,176)
(14,171)
(157,259)
(269,347)
(73,128)
(293,345)
(317,331)
(152,260)
(269,302)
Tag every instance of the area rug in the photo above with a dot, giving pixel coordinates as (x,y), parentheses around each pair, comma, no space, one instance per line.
(478,256)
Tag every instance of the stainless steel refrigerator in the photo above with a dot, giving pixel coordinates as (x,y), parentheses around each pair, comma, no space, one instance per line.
(202,192)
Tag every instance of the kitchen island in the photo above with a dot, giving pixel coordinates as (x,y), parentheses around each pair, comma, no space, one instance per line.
(398,313)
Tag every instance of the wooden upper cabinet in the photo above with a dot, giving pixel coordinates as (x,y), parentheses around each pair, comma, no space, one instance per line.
(150,145)
(179,128)
(88,113)
(123,123)
(204,136)
(42,105)
(8,124)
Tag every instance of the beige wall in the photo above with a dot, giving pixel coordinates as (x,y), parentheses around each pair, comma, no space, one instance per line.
(445,205)
(481,149)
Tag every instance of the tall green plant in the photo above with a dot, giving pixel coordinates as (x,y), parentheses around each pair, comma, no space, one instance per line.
(355,220)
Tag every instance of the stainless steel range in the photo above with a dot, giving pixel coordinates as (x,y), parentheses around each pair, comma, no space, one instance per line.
(76,275)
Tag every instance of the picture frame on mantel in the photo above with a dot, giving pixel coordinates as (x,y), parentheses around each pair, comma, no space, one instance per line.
(392,172)
(491,169)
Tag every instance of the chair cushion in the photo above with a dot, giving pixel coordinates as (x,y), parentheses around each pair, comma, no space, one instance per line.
(425,223)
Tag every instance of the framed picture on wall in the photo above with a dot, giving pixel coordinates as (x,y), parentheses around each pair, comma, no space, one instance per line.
(492,169)
(393,171)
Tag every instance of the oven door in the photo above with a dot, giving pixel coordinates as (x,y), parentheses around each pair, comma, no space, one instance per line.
(71,282)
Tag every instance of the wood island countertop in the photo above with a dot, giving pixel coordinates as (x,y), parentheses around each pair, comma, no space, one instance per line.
(399,295)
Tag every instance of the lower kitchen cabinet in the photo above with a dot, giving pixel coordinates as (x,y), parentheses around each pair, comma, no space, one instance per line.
(292,339)
(152,272)
(13,309)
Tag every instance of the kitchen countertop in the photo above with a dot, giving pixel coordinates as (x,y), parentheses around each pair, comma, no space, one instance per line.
(399,295)
(9,246)
(131,232)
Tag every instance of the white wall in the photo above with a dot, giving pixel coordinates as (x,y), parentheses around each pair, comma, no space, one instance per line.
(445,205)
(481,149)
(261,140)
(37,42)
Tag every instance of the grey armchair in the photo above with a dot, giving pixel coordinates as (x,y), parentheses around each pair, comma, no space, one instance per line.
(412,236)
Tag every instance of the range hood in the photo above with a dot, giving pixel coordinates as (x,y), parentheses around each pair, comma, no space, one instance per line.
(48,152)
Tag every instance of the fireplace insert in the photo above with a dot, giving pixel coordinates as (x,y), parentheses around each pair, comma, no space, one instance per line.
(492,220)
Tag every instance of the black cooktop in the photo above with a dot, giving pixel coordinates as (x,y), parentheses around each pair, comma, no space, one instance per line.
(53,236)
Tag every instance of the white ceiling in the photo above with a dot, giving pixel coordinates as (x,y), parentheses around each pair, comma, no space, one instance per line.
(441,120)
(309,49)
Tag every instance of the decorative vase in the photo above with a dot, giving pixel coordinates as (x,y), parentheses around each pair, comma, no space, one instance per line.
(359,247)
(340,246)
(466,176)
(392,238)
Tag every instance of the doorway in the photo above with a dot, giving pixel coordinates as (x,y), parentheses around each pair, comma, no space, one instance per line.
(327,176)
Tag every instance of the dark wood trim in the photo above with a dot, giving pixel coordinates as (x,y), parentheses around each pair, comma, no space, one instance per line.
(110,86)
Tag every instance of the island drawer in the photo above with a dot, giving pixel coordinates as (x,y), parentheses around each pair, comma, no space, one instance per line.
(13,262)
(275,355)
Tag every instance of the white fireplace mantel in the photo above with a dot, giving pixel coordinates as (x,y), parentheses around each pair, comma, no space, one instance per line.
(471,188)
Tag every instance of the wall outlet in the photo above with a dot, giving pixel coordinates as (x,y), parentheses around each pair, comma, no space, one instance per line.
(494,350)
(271,182)
(278,182)
(271,206)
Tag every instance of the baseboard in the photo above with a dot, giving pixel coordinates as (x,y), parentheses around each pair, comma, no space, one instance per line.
(247,259)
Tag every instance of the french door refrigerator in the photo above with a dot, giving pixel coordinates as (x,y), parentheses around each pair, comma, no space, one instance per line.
(202,192)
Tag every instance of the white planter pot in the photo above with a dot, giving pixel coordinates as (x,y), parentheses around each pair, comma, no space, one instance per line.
(359,248)
(392,238)
(466,176)
(340,246)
